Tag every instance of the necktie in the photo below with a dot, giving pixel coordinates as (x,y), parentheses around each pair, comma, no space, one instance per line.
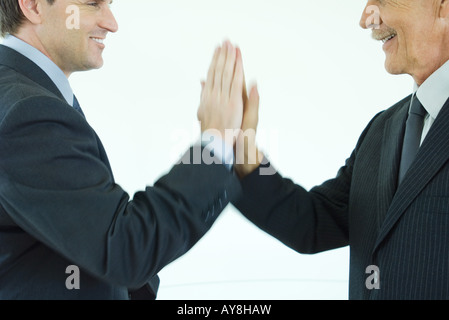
(412,137)
(77,106)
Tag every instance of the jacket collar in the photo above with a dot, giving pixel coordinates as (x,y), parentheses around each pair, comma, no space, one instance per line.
(14,60)
(432,155)
(390,158)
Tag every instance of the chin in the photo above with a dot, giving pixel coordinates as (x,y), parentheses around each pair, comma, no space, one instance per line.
(393,68)
(95,65)
(89,67)
(99,65)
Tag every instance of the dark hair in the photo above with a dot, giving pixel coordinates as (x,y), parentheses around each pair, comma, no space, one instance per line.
(11,16)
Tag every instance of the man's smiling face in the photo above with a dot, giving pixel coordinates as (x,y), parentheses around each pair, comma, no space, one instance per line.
(413,34)
(77,48)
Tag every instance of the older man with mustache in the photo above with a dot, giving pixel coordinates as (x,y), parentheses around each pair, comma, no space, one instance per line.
(390,202)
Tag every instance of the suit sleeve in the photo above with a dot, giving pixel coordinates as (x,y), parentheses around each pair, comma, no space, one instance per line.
(306,221)
(55,186)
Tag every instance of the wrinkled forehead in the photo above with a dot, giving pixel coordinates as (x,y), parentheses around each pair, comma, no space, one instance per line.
(407,7)
(403,3)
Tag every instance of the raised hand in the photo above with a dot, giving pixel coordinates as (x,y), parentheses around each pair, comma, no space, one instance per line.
(248,157)
(221,107)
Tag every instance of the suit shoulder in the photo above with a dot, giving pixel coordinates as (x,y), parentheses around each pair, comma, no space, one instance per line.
(387,113)
(15,87)
(384,115)
(36,109)
(377,123)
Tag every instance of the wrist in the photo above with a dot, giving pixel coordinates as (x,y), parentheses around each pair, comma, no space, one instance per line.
(246,168)
(221,150)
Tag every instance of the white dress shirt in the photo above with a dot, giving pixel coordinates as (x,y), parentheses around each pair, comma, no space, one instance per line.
(49,67)
(433,94)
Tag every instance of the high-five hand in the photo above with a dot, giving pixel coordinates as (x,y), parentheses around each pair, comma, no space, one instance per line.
(248,156)
(221,107)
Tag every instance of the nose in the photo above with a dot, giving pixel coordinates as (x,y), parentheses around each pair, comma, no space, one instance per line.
(370,16)
(108,21)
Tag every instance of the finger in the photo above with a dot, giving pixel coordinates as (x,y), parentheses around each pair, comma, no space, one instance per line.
(203,85)
(251,112)
(202,94)
(228,71)
(211,73)
(244,91)
(219,67)
(199,113)
(254,100)
(237,81)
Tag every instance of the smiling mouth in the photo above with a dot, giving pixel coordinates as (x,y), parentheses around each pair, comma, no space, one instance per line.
(384,35)
(388,38)
(98,40)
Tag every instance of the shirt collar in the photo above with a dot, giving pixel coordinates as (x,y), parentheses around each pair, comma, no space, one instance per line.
(43,62)
(434,92)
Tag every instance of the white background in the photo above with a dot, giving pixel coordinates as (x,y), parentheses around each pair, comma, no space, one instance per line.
(321,79)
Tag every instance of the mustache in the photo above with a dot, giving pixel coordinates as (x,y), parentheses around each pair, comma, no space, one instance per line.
(379,34)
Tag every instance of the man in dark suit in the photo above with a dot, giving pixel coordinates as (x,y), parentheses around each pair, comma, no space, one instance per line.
(390,201)
(67,230)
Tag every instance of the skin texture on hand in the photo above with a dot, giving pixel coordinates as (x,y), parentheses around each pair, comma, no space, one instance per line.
(221,106)
(227,110)
(248,156)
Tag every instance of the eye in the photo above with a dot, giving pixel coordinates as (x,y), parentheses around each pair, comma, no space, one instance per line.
(93,4)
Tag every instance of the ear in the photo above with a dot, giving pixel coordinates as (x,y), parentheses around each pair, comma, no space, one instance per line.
(31,10)
(444,9)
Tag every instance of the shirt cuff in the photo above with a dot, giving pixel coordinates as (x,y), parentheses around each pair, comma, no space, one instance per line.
(220,149)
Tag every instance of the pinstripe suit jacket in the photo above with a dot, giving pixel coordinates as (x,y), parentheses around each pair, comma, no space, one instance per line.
(403,230)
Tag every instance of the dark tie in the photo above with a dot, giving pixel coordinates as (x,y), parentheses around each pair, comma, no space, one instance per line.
(412,137)
(77,106)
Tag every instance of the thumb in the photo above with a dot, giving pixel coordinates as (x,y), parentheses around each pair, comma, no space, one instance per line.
(251,111)
(199,113)
(203,84)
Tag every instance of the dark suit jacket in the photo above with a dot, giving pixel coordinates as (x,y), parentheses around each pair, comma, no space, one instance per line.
(403,230)
(60,206)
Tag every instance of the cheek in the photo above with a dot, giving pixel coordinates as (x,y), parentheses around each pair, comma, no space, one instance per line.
(71,40)
(405,45)
(417,48)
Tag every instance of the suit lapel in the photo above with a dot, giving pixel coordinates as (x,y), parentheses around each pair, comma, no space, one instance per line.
(14,60)
(23,65)
(432,155)
(390,159)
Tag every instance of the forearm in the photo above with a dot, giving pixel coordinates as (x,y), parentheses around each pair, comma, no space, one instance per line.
(306,221)
(163,222)
(57,189)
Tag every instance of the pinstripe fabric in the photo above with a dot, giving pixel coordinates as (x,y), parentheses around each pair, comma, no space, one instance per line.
(404,230)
